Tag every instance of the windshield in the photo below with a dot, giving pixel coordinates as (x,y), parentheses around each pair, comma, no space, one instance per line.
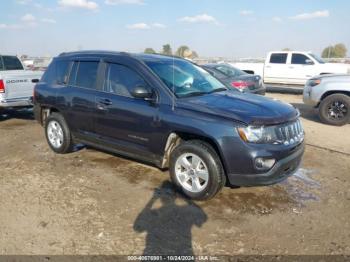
(184,78)
(317,58)
(229,70)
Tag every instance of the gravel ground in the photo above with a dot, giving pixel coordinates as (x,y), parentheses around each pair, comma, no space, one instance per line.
(90,202)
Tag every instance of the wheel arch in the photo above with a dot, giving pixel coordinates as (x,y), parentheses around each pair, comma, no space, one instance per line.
(332,92)
(45,112)
(176,137)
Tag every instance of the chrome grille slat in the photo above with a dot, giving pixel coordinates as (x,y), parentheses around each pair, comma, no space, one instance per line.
(290,133)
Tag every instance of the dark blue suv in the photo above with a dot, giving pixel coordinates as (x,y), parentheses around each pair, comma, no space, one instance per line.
(169,112)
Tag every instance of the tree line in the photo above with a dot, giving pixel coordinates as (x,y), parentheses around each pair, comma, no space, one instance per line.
(336,51)
(183,51)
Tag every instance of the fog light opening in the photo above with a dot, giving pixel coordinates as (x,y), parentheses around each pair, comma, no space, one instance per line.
(264,163)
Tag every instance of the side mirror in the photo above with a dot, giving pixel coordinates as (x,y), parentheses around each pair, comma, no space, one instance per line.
(142,92)
(309,62)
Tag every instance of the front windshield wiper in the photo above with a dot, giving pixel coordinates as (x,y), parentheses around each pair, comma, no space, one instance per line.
(197,93)
(217,90)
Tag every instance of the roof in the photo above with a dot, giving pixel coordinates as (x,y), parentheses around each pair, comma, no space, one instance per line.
(140,56)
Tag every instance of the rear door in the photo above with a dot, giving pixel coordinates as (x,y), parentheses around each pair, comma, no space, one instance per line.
(276,69)
(82,90)
(19,83)
(301,68)
(124,122)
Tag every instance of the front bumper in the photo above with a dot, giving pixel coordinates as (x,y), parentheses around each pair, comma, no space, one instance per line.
(307,97)
(17,102)
(281,170)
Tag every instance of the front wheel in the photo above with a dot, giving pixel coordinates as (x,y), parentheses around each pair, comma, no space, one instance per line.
(335,109)
(196,169)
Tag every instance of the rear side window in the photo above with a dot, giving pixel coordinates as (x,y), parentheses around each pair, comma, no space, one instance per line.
(57,73)
(84,74)
(121,80)
(278,58)
(11,63)
(299,59)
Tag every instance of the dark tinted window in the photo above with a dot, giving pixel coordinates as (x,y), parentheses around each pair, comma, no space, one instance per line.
(229,70)
(299,59)
(1,64)
(278,58)
(12,63)
(57,73)
(121,80)
(86,74)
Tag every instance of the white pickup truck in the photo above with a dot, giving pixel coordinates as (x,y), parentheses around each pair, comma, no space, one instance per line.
(292,68)
(16,84)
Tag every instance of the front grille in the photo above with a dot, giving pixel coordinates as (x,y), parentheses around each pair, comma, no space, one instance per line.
(290,133)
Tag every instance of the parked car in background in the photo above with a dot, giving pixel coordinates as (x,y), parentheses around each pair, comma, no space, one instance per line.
(292,68)
(16,84)
(331,95)
(169,112)
(234,78)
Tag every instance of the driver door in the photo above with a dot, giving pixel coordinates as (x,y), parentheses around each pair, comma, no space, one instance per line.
(124,122)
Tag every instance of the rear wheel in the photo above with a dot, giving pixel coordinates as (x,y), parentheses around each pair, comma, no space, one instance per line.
(196,170)
(335,109)
(58,134)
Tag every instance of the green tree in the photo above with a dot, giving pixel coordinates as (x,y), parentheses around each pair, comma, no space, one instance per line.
(337,51)
(167,50)
(182,51)
(149,50)
(194,54)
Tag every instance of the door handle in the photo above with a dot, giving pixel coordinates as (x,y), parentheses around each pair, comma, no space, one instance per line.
(291,67)
(105,102)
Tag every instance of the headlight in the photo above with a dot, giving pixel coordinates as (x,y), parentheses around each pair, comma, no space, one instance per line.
(259,135)
(313,82)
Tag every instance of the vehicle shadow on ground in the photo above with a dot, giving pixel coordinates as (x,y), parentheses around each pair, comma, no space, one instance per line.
(167,224)
(24,114)
(308,112)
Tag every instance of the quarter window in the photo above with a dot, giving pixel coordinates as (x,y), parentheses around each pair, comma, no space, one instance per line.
(299,59)
(121,80)
(278,58)
(57,73)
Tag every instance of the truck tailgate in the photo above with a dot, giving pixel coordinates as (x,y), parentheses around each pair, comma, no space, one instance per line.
(19,84)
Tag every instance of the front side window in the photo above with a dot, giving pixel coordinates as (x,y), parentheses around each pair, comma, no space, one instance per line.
(278,58)
(299,59)
(184,78)
(12,63)
(85,74)
(121,80)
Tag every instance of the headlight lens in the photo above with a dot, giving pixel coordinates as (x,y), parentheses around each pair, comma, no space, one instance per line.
(259,135)
(313,82)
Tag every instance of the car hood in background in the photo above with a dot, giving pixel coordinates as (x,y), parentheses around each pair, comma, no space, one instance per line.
(246,108)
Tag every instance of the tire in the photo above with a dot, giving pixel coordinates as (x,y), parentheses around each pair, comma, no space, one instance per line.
(56,127)
(335,110)
(201,159)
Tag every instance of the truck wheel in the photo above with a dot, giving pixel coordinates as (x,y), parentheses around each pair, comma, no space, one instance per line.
(58,135)
(196,169)
(334,110)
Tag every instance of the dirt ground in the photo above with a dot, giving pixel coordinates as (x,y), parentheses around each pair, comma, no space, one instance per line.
(90,202)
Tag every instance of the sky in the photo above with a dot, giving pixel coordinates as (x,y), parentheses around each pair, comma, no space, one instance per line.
(213,28)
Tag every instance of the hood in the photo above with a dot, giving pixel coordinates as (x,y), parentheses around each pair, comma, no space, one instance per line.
(335,68)
(247,108)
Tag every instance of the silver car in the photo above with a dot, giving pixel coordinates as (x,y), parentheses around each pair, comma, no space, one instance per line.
(331,95)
